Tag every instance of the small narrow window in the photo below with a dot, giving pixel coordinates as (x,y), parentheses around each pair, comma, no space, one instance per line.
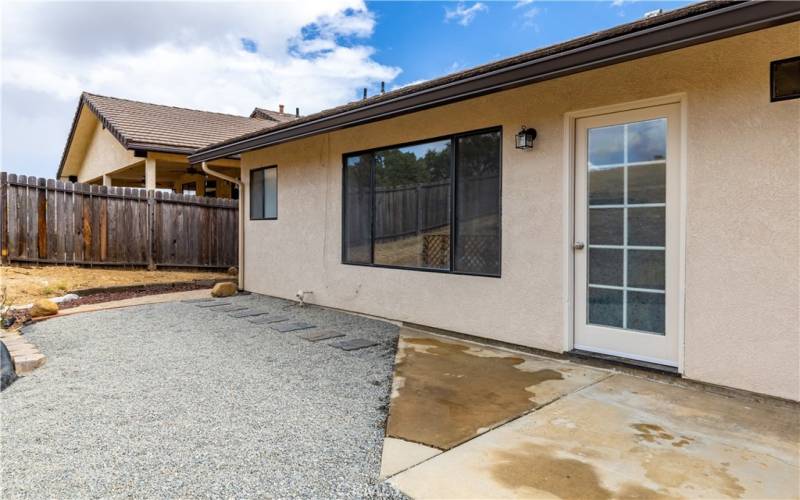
(785,79)
(264,193)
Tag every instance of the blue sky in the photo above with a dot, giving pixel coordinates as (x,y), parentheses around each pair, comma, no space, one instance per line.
(231,57)
(417,37)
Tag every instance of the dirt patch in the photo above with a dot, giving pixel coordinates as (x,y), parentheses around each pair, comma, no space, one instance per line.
(24,284)
(447,395)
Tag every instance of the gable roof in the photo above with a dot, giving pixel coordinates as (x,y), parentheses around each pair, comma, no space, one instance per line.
(690,25)
(155,127)
(276,116)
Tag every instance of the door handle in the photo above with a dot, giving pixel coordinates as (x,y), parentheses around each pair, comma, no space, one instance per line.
(579,245)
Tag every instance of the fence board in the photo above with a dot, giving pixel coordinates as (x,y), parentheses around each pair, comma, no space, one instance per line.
(50,221)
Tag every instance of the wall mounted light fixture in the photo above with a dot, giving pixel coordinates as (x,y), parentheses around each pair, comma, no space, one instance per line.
(525,138)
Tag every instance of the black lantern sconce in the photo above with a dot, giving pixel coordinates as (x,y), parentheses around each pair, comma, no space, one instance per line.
(525,138)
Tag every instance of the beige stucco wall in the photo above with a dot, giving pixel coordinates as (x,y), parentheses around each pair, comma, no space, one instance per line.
(104,154)
(742,285)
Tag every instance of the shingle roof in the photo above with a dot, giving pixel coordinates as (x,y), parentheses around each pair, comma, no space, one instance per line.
(142,125)
(297,128)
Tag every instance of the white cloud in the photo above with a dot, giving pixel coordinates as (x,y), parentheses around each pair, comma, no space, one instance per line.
(464,15)
(522,3)
(311,55)
(529,16)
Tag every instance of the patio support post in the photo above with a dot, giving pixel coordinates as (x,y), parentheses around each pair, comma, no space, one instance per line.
(107,180)
(150,174)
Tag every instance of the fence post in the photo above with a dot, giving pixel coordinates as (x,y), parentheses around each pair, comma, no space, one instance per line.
(151,222)
(41,192)
(3,218)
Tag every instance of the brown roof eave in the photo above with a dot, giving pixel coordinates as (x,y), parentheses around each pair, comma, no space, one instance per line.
(712,22)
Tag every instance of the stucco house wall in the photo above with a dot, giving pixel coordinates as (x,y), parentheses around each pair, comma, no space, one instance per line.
(742,211)
(104,154)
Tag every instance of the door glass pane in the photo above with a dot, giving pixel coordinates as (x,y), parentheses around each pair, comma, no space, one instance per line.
(645,312)
(646,269)
(607,145)
(605,266)
(647,141)
(605,307)
(646,226)
(627,168)
(647,183)
(412,206)
(606,185)
(605,226)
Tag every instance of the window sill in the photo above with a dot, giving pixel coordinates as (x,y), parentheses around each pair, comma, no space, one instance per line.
(422,269)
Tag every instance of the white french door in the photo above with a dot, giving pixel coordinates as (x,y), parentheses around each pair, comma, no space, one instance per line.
(627,182)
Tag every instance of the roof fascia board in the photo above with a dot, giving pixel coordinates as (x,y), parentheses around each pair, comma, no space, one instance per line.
(713,25)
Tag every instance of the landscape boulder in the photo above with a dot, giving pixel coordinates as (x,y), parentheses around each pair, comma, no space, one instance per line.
(224,289)
(8,374)
(44,307)
(233,271)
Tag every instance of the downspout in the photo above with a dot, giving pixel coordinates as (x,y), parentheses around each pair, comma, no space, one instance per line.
(233,180)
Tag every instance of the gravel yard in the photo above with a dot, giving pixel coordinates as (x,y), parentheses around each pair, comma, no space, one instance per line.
(175,400)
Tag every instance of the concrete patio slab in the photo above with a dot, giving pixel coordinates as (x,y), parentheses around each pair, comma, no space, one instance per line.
(399,455)
(446,392)
(625,437)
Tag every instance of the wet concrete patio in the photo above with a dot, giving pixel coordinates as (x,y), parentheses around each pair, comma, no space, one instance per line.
(468,421)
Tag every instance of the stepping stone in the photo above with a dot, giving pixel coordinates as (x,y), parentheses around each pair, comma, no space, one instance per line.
(261,320)
(227,309)
(320,335)
(213,304)
(198,301)
(353,344)
(247,313)
(290,327)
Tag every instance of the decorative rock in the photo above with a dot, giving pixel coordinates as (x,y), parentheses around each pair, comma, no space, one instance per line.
(233,271)
(44,307)
(224,289)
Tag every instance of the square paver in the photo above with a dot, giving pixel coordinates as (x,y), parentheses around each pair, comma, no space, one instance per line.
(353,344)
(198,301)
(319,335)
(214,303)
(227,309)
(262,320)
(247,313)
(290,327)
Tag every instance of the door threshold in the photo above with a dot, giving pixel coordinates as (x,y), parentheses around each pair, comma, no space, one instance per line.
(627,362)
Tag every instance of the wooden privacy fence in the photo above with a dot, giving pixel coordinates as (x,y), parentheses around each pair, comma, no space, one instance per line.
(54,222)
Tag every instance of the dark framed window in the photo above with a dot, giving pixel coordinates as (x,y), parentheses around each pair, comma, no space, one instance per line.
(784,77)
(210,188)
(432,205)
(189,188)
(264,193)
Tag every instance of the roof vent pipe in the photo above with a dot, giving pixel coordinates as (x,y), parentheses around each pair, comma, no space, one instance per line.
(297,112)
(365,92)
(280,108)
(383,87)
